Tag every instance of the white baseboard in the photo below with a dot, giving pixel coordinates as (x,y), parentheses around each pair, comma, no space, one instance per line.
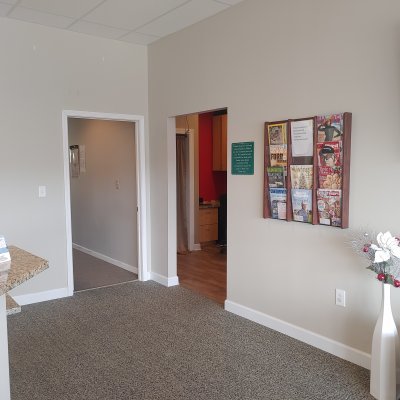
(163,280)
(196,247)
(321,342)
(38,297)
(105,258)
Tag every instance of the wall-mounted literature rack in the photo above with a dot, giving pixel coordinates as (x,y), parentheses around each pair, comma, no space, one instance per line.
(307,169)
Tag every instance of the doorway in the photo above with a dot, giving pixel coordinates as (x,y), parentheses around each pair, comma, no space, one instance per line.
(103,202)
(113,186)
(202,266)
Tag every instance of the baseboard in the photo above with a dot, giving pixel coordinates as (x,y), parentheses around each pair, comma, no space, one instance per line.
(321,342)
(105,258)
(196,247)
(38,297)
(163,280)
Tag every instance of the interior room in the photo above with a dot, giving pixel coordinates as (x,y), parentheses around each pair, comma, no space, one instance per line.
(312,232)
(201,154)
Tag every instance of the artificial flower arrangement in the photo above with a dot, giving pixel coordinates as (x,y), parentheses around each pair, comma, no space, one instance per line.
(384,256)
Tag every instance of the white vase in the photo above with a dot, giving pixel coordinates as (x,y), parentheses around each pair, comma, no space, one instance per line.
(385,356)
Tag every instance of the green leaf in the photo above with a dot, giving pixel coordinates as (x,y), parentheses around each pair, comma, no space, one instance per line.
(389,279)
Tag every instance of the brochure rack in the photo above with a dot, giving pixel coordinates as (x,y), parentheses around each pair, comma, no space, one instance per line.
(307,169)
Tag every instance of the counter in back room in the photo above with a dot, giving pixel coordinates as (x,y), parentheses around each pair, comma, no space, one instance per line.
(208,222)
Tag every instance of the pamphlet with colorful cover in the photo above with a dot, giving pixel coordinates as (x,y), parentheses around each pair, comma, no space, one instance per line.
(278,155)
(276,177)
(4,260)
(302,205)
(330,127)
(301,176)
(329,207)
(277,134)
(278,203)
(4,253)
(330,178)
(329,154)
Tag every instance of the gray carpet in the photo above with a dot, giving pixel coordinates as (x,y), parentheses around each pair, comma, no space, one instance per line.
(144,341)
(91,272)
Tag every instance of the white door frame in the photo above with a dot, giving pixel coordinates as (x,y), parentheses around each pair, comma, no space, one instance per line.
(143,267)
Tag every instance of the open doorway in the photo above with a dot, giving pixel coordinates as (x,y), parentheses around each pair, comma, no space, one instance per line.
(201,141)
(103,202)
(140,205)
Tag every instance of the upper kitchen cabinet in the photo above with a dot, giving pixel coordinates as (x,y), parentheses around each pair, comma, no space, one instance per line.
(219,142)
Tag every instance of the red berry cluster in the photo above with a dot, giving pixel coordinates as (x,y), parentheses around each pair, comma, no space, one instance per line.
(382,277)
(366,248)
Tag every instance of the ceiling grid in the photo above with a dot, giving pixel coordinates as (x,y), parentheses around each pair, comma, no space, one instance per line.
(135,21)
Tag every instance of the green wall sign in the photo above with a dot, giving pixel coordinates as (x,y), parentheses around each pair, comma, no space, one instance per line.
(243,158)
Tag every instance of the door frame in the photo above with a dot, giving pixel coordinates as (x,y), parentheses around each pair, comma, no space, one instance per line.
(142,225)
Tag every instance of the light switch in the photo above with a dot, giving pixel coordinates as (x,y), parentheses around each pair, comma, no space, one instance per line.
(42,191)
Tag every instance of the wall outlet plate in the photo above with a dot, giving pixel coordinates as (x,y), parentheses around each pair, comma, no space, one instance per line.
(42,191)
(340,298)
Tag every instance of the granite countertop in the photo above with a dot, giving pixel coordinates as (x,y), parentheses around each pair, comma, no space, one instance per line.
(12,306)
(24,266)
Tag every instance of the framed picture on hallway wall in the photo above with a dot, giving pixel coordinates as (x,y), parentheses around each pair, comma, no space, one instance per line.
(74,164)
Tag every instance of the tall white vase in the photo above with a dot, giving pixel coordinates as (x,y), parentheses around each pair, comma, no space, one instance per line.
(385,356)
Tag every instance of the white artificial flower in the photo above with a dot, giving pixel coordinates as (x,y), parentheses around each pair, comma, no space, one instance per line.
(389,246)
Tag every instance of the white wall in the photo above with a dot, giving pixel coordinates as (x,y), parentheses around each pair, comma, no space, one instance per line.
(104,216)
(45,71)
(274,59)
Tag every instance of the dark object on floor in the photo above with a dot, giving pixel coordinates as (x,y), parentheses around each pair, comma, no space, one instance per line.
(91,272)
(144,341)
(222,221)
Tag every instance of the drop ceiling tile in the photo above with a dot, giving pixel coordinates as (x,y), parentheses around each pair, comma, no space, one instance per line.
(67,8)
(4,9)
(41,18)
(97,30)
(230,2)
(131,14)
(188,14)
(139,38)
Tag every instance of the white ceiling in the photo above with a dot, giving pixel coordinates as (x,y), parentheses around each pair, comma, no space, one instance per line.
(135,21)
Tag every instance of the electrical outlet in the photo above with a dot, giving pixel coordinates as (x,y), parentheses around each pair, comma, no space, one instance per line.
(340,298)
(117,184)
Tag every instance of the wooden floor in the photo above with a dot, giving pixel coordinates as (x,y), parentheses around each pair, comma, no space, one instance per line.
(204,272)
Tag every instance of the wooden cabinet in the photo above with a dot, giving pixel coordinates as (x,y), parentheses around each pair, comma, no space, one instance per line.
(219,142)
(208,224)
